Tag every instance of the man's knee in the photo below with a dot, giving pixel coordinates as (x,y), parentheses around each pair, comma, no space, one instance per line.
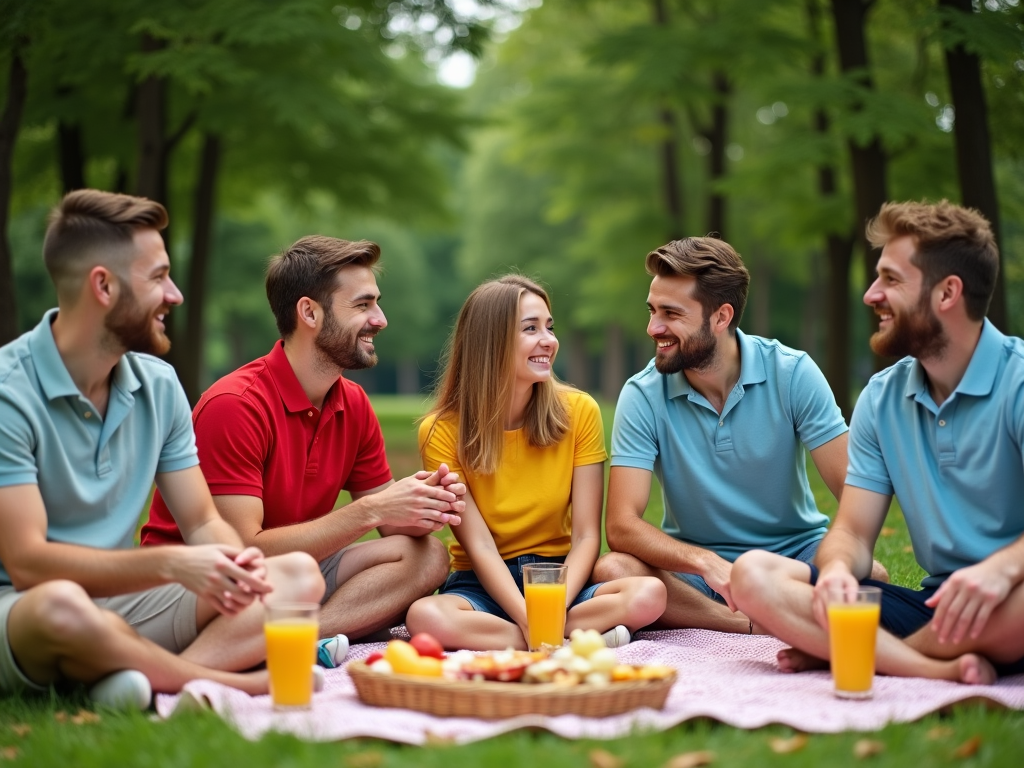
(299,574)
(618,565)
(60,610)
(435,561)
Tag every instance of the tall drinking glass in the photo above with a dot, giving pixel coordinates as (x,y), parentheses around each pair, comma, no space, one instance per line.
(852,631)
(291,630)
(544,587)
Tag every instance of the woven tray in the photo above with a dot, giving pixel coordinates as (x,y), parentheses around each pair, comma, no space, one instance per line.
(494,701)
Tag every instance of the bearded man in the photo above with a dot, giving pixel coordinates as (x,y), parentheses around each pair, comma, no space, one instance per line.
(282,436)
(943,430)
(88,420)
(722,418)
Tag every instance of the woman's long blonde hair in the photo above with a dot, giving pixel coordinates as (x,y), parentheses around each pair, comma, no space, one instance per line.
(476,387)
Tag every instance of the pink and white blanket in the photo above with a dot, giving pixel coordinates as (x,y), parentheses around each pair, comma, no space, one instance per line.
(731,678)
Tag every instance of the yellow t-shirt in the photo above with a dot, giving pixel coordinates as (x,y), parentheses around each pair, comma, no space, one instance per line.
(526,502)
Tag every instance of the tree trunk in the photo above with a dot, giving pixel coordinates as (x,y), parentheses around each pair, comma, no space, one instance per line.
(150,109)
(838,256)
(190,355)
(868,161)
(578,366)
(760,296)
(672,189)
(974,147)
(717,135)
(10,120)
(613,363)
(72,156)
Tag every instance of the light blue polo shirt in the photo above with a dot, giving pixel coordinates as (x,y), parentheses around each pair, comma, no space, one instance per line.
(957,469)
(94,474)
(735,481)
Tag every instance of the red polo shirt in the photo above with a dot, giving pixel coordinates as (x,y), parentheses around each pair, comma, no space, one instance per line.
(258,435)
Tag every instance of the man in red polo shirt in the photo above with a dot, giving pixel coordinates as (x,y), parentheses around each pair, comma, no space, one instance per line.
(281,437)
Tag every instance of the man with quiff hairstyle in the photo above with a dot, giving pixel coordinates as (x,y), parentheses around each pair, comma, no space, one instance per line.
(723,419)
(282,436)
(943,430)
(88,420)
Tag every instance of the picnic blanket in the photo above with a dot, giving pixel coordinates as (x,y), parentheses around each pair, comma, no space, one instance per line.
(731,678)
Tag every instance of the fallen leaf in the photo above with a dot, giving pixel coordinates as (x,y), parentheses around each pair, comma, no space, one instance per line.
(365,760)
(787,746)
(8,753)
(939,732)
(867,748)
(968,748)
(61,716)
(908,549)
(601,759)
(691,759)
(21,729)
(887,531)
(85,717)
(439,741)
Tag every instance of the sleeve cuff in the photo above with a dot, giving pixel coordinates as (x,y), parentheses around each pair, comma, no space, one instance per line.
(367,485)
(176,465)
(869,484)
(19,478)
(635,462)
(235,489)
(826,437)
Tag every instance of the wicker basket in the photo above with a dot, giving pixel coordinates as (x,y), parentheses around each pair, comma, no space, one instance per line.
(494,701)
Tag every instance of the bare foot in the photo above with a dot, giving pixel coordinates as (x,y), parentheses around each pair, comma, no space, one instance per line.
(254,683)
(878,572)
(793,660)
(976,670)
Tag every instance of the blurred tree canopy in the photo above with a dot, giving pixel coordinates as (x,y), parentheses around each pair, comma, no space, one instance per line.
(595,131)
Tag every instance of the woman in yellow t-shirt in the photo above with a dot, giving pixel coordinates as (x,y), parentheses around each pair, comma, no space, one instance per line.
(531,452)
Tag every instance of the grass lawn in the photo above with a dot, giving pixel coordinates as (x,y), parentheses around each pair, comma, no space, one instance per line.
(45,731)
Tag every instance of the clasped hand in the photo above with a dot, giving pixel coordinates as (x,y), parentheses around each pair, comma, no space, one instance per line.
(424,500)
(965,601)
(227,577)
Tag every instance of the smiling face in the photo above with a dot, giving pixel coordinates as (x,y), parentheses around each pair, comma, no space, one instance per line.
(136,321)
(537,345)
(682,335)
(351,321)
(907,322)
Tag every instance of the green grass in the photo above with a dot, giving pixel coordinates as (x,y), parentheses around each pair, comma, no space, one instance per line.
(203,739)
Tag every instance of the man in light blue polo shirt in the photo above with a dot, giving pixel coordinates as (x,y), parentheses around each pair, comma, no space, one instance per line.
(722,419)
(87,422)
(943,429)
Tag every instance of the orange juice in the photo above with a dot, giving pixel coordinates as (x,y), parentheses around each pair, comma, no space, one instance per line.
(853,629)
(545,613)
(291,653)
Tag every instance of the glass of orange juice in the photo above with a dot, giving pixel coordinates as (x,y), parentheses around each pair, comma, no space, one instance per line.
(852,631)
(544,587)
(291,630)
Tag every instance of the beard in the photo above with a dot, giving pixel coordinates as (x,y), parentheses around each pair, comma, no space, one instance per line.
(132,326)
(693,354)
(917,333)
(340,349)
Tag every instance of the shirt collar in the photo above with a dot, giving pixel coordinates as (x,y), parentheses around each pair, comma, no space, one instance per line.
(292,394)
(752,369)
(53,373)
(980,376)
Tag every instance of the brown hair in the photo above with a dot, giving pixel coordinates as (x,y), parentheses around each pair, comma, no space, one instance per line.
(308,268)
(721,276)
(476,387)
(948,240)
(89,227)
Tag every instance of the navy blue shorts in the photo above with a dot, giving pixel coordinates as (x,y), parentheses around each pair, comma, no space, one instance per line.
(466,585)
(904,612)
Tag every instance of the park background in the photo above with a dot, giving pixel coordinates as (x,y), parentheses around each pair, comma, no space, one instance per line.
(564,139)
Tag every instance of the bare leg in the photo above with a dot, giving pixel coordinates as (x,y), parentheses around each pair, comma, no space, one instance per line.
(634,602)
(686,607)
(776,593)
(56,631)
(378,580)
(455,623)
(236,642)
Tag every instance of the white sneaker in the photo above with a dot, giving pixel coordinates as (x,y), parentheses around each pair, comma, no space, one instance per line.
(125,690)
(617,636)
(331,651)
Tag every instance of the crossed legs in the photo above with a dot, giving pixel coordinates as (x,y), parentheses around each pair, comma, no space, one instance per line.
(55,631)
(776,593)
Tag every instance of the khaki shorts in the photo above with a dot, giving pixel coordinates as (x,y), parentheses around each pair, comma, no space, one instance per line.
(166,615)
(329,570)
